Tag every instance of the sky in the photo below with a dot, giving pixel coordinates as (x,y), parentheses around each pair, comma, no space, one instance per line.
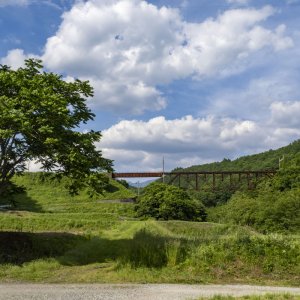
(193,81)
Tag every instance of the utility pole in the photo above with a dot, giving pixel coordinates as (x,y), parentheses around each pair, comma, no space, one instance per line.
(280,161)
(163,168)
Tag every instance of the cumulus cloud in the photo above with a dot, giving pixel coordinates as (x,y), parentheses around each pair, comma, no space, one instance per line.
(183,141)
(133,98)
(187,134)
(253,100)
(112,44)
(286,114)
(14,58)
(136,145)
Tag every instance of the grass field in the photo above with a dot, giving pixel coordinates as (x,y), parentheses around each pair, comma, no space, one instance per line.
(52,237)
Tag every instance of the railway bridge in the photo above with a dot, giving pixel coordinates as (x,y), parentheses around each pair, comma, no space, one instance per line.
(197,180)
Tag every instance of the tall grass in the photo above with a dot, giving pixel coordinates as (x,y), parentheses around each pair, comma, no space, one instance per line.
(152,252)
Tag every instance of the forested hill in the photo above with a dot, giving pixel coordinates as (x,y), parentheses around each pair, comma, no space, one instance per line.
(262,161)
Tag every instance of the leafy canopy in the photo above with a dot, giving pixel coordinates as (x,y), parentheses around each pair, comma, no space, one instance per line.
(39,118)
(167,202)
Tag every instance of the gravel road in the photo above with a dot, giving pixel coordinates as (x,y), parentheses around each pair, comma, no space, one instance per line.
(130,291)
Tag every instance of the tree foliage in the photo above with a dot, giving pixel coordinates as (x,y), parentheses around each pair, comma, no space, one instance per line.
(274,206)
(227,187)
(167,202)
(39,118)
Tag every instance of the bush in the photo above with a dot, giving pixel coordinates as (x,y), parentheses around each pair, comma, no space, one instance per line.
(167,202)
(267,212)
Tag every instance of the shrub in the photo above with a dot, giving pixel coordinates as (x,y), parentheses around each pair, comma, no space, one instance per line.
(266,212)
(167,202)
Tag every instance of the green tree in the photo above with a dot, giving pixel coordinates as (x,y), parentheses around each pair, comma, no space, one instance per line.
(167,202)
(39,118)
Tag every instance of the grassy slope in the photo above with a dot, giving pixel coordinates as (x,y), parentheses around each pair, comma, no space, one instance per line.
(52,237)
(261,161)
(48,206)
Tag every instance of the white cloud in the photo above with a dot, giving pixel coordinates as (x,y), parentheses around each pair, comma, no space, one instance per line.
(183,141)
(112,44)
(133,98)
(286,114)
(253,100)
(14,58)
(140,145)
(187,134)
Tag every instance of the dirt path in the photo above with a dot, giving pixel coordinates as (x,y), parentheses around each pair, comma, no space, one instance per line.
(130,291)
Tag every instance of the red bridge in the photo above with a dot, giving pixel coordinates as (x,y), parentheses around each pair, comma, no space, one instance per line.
(193,179)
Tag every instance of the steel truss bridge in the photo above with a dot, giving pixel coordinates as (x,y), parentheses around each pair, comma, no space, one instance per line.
(196,180)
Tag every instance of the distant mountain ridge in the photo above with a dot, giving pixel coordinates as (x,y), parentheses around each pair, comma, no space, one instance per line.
(261,161)
(141,184)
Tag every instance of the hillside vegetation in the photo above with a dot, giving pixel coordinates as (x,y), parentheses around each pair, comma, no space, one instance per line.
(262,161)
(52,237)
(47,205)
(272,204)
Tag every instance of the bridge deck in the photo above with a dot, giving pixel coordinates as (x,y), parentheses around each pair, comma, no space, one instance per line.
(160,174)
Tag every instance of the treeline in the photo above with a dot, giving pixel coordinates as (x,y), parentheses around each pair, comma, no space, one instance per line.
(224,189)
(274,206)
(271,205)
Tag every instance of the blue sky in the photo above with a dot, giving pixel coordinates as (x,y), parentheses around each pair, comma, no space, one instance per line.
(191,80)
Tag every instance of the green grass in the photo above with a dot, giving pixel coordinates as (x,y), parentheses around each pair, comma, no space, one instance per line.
(150,251)
(47,206)
(51,196)
(52,237)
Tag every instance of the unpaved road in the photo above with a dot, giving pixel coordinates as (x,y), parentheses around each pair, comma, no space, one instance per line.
(130,291)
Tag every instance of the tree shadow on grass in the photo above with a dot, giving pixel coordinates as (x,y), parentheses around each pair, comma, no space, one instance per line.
(143,250)
(111,188)
(20,201)
(20,247)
